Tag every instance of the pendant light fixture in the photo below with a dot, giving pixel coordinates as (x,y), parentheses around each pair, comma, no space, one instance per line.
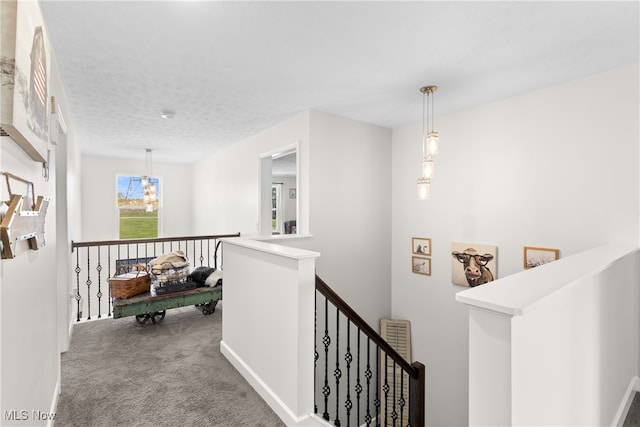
(430,142)
(148,187)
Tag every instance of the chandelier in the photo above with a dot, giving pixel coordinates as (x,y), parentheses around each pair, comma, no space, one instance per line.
(148,187)
(430,142)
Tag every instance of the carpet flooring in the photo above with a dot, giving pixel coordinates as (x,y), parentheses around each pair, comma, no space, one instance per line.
(633,416)
(120,373)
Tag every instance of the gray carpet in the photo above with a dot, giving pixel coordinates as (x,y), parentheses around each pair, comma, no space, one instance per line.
(119,373)
(633,416)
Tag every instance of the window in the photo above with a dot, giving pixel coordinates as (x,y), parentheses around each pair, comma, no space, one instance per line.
(137,219)
(276,208)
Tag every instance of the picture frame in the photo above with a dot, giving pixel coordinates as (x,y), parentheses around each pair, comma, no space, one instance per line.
(473,264)
(535,256)
(292,193)
(421,265)
(24,78)
(421,246)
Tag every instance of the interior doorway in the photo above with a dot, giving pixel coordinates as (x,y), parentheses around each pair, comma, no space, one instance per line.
(279,192)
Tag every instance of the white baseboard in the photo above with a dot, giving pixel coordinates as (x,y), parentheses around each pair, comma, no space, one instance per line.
(623,410)
(274,402)
(54,404)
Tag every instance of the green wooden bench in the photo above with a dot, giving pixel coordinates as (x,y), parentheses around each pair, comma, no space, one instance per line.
(146,307)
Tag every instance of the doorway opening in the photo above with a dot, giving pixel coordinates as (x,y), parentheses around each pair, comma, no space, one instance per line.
(279,192)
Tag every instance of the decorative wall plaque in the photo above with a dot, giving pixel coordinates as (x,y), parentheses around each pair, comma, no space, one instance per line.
(24,77)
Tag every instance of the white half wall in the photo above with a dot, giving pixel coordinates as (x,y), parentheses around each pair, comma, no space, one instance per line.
(268,323)
(558,344)
(556,168)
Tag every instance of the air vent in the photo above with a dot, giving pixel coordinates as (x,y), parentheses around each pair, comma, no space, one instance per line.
(398,334)
(3,132)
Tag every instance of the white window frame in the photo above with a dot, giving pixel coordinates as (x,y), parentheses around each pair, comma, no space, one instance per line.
(160,189)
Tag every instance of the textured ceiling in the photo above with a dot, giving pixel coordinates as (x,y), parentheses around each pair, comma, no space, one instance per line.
(284,165)
(231,69)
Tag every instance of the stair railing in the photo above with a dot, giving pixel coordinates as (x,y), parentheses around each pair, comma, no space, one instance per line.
(97,261)
(369,396)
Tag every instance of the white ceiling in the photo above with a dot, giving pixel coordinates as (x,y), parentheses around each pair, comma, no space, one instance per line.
(231,69)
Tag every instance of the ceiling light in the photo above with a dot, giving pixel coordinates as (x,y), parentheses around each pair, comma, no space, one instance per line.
(168,114)
(430,142)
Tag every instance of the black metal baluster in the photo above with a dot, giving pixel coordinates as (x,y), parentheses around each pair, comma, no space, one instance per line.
(99,294)
(394,413)
(88,282)
(215,253)
(368,374)
(376,402)
(402,401)
(326,340)
(316,356)
(385,389)
(348,404)
(78,270)
(118,272)
(194,251)
(358,385)
(108,277)
(337,373)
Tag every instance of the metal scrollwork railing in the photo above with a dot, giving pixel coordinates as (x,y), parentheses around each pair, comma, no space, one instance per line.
(116,255)
(381,393)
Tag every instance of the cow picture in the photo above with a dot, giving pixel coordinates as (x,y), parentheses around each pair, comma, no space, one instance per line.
(473,264)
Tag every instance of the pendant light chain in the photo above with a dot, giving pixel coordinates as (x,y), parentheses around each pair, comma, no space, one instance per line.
(424,149)
(432,95)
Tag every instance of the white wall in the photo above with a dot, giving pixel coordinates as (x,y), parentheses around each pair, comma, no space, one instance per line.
(557,344)
(30,357)
(592,327)
(68,224)
(34,300)
(267,323)
(350,214)
(99,196)
(557,167)
(344,191)
(231,179)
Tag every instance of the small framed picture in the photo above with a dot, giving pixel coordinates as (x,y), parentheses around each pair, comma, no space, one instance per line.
(421,246)
(421,265)
(534,257)
(292,193)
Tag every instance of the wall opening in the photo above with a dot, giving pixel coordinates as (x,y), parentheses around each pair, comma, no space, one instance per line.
(279,192)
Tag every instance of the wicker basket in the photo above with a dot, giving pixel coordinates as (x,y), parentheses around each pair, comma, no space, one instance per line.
(130,284)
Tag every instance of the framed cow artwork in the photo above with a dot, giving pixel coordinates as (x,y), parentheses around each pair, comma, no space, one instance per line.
(473,264)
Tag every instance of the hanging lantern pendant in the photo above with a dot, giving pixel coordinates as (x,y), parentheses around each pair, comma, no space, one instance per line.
(430,142)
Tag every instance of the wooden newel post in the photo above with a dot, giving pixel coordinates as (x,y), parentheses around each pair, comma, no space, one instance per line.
(416,396)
